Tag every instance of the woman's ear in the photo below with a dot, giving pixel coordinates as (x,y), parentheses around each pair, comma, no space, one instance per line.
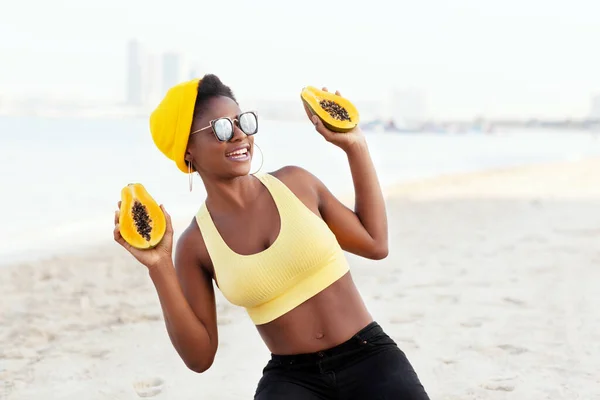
(188,160)
(188,156)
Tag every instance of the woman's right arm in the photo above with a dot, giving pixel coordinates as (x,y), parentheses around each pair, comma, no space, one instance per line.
(187,298)
(185,292)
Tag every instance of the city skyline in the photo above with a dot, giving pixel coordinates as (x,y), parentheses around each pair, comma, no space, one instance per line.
(518,59)
(150,73)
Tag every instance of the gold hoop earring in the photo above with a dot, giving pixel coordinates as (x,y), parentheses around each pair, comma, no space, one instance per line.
(262,158)
(190,175)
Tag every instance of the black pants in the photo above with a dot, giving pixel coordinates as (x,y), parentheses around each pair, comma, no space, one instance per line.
(368,366)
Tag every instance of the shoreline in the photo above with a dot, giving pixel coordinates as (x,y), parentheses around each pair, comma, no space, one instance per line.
(489,289)
(416,186)
(390,191)
(81,208)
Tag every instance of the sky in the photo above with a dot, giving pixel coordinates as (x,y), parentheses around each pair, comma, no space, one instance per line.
(509,58)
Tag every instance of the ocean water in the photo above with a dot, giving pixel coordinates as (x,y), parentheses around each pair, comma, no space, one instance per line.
(60,179)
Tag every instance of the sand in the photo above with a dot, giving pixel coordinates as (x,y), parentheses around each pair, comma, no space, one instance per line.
(490,289)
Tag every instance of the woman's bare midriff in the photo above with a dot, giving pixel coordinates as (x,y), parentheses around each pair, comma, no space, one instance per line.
(324,321)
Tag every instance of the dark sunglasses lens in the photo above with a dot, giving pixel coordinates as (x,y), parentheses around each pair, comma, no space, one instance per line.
(223,129)
(248,123)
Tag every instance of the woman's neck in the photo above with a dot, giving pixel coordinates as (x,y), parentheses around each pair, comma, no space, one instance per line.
(231,194)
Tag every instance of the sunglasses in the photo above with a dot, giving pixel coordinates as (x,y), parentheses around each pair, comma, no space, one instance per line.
(223,127)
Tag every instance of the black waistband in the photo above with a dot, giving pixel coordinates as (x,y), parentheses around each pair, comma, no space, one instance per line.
(360,338)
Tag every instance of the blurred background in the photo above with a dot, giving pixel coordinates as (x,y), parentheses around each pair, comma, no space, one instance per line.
(442,87)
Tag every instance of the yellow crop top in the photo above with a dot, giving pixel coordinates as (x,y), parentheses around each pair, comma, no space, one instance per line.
(303,260)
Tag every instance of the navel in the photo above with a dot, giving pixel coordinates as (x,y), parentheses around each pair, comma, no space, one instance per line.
(320,335)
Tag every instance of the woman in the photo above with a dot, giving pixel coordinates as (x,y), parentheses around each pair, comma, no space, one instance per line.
(273,243)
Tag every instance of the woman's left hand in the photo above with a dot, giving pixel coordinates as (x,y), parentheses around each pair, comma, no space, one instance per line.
(344,140)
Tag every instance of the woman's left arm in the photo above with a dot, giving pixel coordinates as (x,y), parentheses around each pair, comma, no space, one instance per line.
(363,231)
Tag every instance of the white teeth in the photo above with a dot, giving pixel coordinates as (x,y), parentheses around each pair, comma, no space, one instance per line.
(240,152)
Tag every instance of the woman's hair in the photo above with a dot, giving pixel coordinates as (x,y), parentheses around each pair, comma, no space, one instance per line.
(210,86)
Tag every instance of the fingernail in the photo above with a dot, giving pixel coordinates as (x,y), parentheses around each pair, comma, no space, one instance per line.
(315,120)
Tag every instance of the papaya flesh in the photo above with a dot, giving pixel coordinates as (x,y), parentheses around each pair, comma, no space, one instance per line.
(337,113)
(142,222)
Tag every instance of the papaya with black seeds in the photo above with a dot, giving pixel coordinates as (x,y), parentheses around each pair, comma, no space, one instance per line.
(337,113)
(142,222)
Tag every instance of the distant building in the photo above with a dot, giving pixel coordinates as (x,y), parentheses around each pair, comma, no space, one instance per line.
(151,75)
(152,88)
(171,70)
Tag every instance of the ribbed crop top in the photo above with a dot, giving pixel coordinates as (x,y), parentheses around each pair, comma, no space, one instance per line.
(303,260)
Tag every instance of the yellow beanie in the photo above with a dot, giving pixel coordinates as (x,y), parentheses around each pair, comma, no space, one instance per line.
(171,121)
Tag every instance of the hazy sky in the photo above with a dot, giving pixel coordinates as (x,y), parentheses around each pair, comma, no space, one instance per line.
(497,57)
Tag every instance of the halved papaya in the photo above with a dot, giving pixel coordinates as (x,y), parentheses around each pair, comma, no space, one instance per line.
(337,113)
(142,222)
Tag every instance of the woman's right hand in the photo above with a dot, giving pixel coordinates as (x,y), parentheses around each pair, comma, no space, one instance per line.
(151,258)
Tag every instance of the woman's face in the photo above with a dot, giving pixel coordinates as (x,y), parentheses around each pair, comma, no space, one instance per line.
(214,158)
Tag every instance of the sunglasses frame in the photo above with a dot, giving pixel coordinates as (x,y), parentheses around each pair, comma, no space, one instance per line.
(233,121)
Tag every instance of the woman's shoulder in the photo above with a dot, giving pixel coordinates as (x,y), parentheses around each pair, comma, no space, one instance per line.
(297,178)
(302,183)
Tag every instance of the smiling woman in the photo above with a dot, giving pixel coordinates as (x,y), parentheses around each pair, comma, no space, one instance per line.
(274,244)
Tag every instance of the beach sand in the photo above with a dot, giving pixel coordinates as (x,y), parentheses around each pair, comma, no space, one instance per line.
(489,288)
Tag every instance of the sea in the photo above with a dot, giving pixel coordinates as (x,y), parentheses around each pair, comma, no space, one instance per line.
(60,178)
